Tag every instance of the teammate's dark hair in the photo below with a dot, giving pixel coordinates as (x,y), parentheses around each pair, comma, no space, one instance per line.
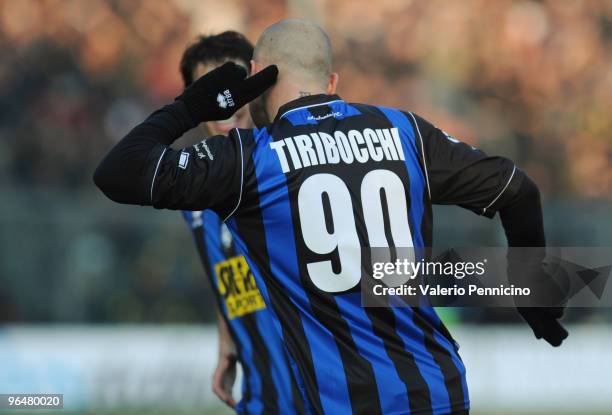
(215,48)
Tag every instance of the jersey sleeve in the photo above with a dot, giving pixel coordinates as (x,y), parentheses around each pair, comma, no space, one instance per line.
(207,175)
(459,174)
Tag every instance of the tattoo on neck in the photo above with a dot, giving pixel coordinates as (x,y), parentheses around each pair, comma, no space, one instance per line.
(304,93)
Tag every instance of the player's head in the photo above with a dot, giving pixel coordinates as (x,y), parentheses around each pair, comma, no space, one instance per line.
(208,52)
(302,52)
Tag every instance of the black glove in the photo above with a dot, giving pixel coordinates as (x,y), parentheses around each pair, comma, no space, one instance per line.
(544,321)
(547,292)
(220,93)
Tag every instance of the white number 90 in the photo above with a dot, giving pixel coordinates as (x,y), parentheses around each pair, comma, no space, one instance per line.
(344,234)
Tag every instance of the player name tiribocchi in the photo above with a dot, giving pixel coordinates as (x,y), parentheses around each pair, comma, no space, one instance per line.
(354,146)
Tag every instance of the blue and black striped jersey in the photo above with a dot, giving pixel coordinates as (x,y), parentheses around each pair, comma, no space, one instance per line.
(304,198)
(267,385)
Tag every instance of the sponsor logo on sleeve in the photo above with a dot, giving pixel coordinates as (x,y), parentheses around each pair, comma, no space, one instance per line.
(183,160)
(203,151)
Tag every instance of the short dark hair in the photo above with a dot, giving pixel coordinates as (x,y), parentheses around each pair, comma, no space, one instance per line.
(215,48)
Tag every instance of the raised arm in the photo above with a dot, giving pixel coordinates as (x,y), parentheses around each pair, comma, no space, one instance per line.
(142,169)
(126,173)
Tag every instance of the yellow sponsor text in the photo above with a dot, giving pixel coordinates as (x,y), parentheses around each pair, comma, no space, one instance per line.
(238,288)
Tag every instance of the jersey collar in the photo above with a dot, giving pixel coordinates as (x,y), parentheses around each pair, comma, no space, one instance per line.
(305,102)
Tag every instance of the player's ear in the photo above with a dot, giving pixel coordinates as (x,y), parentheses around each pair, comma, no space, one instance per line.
(332,83)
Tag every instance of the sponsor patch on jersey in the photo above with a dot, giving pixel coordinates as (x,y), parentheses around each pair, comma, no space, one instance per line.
(200,150)
(210,155)
(183,160)
(238,288)
(322,117)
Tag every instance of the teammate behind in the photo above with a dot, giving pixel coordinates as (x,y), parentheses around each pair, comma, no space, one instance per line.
(304,194)
(267,385)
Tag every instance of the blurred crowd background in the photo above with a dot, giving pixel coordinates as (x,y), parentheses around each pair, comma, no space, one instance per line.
(527,79)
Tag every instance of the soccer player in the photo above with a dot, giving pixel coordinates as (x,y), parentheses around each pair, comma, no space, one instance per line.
(268,386)
(320,180)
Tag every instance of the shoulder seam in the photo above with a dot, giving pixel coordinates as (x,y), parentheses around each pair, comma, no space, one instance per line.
(241,176)
(423,153)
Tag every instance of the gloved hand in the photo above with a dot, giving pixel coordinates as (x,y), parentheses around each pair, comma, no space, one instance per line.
(220,93)
(548,293)
(544,321)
